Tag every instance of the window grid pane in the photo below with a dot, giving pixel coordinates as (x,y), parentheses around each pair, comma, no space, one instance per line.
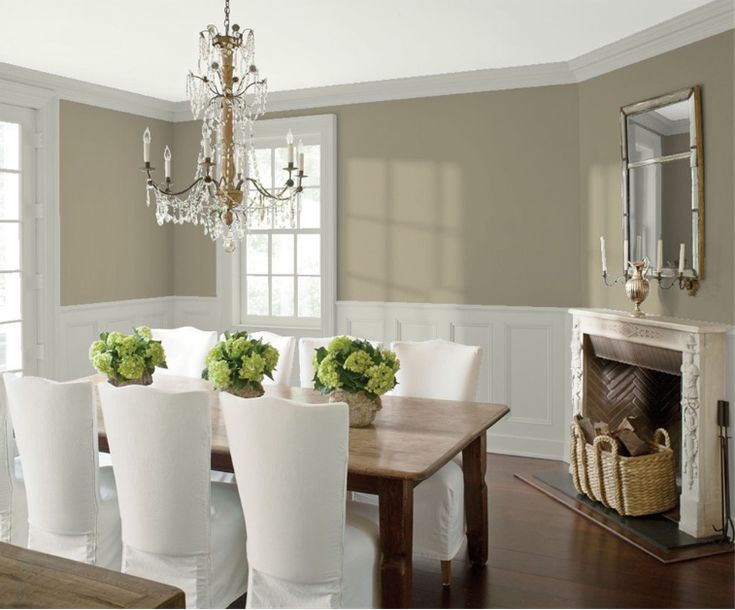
(279,283)
(11,326)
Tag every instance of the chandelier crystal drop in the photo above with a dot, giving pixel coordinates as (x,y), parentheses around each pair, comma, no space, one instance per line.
(227,195)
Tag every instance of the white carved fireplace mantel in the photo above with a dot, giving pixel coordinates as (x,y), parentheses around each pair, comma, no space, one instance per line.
(702,346)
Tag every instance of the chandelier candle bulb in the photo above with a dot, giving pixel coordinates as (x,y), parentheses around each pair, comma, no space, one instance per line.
(167,162)
(660,255)
(207,148)
(603,254)
(626,246)
(147,146)
(682,256)
(301,156)
(638,255)
(289,141)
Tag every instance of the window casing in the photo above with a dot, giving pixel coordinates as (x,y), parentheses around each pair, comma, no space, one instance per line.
(18,318)
(285,272)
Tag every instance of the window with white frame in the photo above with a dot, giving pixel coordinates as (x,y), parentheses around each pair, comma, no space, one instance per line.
(17,239)
(287,265)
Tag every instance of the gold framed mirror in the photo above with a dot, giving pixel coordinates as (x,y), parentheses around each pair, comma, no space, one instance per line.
(663,183)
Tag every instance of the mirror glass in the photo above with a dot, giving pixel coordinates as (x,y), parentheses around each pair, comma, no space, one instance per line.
(663,171)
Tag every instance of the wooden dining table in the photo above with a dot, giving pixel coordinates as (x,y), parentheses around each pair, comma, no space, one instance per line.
(409,441)
(29,579)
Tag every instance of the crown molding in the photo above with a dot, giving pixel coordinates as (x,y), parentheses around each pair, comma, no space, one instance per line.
(88,93)
(474,81)
(703,22)
(695,25)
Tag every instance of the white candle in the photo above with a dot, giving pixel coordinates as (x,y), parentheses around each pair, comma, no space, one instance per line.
(207,143)
(660,255)
(638,248)
(603,254)
(682,256)
(301,155)
(167,161)
(146,145)
(289,141)
(626,253)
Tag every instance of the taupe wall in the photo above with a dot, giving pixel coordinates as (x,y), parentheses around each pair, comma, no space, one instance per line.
(487,198)
(710,64)
(111,246)
(194,255)
(456,199)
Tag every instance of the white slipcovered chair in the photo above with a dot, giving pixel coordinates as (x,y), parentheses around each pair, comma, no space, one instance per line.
(286,347)
(447,371)
(72,502)
(177,527)
(13,507)
(304,548)
(186,349)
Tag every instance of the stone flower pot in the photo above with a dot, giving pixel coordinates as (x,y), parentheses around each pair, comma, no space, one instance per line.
(146,379)
(362,409)
(247,392)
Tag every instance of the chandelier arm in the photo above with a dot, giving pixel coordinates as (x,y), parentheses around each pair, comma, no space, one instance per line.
(151,183)
(262,190)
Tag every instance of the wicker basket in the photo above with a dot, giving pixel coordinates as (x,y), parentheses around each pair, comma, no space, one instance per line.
(633,486)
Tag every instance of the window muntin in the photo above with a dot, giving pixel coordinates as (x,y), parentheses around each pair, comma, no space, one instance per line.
(11,325)
(281,257)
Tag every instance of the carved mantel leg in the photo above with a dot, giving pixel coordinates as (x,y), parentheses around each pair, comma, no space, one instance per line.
(701,387)
(577,368)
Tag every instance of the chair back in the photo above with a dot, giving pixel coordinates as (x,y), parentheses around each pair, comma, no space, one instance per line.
(290,461)
(7,466)
(160,444)
(286,347)
(186,349)
(56,432)
(437,369)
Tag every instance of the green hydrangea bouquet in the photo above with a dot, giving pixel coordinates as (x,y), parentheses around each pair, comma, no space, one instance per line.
(239,363)
(356,372)
(128,359)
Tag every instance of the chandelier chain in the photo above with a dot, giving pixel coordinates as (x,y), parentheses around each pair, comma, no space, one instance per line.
(227,17)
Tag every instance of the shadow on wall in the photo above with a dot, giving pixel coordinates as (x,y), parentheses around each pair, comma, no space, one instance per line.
(402,238)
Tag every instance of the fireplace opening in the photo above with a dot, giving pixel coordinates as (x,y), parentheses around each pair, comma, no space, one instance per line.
(626,379)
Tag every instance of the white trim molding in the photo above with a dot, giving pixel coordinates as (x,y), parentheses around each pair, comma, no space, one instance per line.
(45,105)
(88,93)
(700,23)
(695,25)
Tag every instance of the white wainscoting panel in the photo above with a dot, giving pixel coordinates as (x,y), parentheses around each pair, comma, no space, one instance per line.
(525,361)
(525,352)
(200,312)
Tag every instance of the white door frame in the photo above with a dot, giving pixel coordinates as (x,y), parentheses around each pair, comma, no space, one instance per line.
(45,210)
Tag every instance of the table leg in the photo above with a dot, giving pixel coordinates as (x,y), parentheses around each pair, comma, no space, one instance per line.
(474,464)
(396,541)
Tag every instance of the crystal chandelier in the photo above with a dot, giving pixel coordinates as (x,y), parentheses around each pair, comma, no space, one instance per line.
(228,94)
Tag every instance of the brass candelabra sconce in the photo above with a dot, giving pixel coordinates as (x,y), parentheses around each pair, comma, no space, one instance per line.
(637,285)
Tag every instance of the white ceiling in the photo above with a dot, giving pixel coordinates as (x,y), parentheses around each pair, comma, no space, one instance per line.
(148,46)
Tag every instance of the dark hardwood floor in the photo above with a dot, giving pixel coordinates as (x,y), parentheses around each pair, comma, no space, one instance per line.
(543,555)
